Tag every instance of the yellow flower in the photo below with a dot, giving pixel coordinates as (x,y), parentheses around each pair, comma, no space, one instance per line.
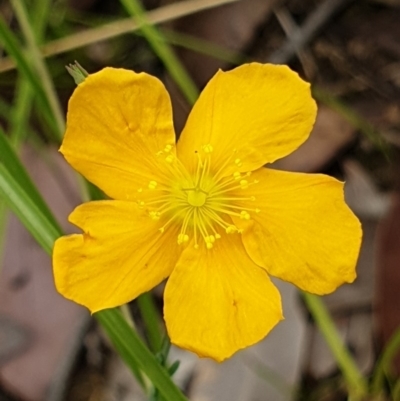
(205,212)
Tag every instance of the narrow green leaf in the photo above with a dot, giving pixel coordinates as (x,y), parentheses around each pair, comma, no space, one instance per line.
(162,50)
(133,351)
(384,363)
(27,211)
(39,66)
(21,110)
(355,381)
(150,317)
(354,119)
(10,162)
(14,49)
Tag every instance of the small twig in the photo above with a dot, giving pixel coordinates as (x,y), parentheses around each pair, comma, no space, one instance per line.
(123,26)
(289,26)
(302,35)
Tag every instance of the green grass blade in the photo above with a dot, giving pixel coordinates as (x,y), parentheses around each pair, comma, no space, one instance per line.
(133,351)
(27,211)
(20,113)
(150,317)
(355,381)
(40,66)
(203,46)
(10,162)
(354,119)
(384,363)
(162,50)
(13,48)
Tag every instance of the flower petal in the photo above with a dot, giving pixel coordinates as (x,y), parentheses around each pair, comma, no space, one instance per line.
(120,255)
(304,232)
(218,301)
(252,115)
(117,121)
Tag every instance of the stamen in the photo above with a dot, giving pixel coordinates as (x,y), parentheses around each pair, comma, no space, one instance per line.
(228,182)
(155,215)
(244,215)
(231,229)
(201,203)
(244,184)
(237,175)
(182,238)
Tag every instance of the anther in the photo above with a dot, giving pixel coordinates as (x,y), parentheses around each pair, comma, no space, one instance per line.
(238,162)
(244,184)
(152,184)
(169,159)
(168,148)
(155,215)
(231,229)
(209,239)
(244,215)
(237,175)
(140,190)
(182,238)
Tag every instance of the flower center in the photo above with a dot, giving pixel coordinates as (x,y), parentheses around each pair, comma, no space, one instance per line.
(204,204)
(196,197)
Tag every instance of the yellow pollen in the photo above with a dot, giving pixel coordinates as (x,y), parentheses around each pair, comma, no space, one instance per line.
(237,175)
(140,190)
(238,162)
(169,159)
(152,185)
(168,148)
(182,238)
(244,215)
(231,229)
(155,215)
(244,184)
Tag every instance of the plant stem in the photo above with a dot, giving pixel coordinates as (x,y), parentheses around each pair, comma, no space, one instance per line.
(355,381)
